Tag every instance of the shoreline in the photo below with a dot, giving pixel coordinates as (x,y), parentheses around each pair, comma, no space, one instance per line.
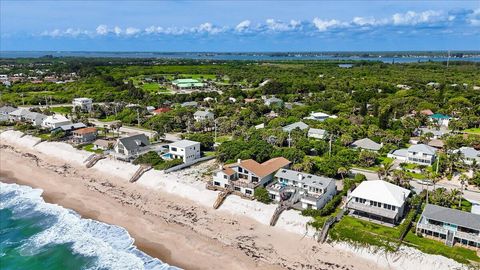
(171,218)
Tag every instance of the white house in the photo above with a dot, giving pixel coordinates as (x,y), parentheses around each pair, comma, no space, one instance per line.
(18,115)
(55,121)
(203,115)
(186,150)
(130,147)
(34,118)
(469,155)
(319,116)
(246,175)
(378,200)
(84,104)
(311,190)
(421,154)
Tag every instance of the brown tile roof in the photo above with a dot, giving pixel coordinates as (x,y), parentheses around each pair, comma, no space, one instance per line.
(264,169)
(86,130)
(228,171)
(426,112)
(161,110)
(249,100)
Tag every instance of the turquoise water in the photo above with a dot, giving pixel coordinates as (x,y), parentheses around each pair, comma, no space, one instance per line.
(38,235)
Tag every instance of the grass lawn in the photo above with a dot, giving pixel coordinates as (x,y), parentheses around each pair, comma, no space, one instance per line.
(416,175)
(61,110)
(385,160)
(363,232)
(45,136)
(472,130)
(224,138)
(89,148)
(209,153)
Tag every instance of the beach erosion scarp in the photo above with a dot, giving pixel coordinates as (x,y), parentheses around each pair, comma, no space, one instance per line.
(184,184)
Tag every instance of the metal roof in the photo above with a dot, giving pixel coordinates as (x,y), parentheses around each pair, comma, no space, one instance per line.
(452,216)
(366,143)
(381,191)
(134,142)
(304,178)
(422,148)
(299,125)
(184,143)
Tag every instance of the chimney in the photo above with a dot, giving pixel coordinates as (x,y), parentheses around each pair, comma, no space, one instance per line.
(300,177)
(220,167)
(239,161)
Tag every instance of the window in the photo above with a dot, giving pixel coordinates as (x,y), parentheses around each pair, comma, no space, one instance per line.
(393,208)
(248,192)
(240,169)
(254,179)
(237,189)
(225,177)
(216,183)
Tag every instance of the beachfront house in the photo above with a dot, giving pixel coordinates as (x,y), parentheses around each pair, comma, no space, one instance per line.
(420,154)
(55,121)
(317,133)
(186,150)
(82,104)
(296,125)
(5,111)
(203,115)
(379,201)
(68,129)
(440,119)
(246,175)
(312,191)
(101,144)
(450,226)
(366,144)
(130,147)
(319,116)
(85,135)
(468,155)
(34,118)
(18,115)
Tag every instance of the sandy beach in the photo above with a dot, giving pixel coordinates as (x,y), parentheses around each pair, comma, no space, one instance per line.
(182,232)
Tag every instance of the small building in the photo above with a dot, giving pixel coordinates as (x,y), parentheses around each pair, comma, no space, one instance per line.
(317,133)
(296,125)
(426,112)
(34,118)
(246,175)
(366,144)
(161,110)
(130,147)
(260,126)
(101,144)
(203,116)
(84,135)
(188,84)
(378,200)
(421,154)
(55,121)
(469,155)
(312,191)
(319,116)
(186,150)
(250,100)
(189,104)
(440,119)
(6,110)
(83,104)
(450,226)
(18,115)
(437,133)
(273,101)
(68,129)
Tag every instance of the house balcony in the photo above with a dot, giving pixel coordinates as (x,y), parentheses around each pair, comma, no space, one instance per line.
(442,230)
(378,211)
(245,183)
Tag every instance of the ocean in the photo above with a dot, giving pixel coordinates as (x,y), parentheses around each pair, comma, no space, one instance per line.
(39,235)
(248,56)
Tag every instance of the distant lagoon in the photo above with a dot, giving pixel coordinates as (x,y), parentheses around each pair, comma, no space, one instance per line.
(386,57)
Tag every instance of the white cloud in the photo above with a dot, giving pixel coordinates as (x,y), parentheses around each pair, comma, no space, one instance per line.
(324,25)
(131,31)
(102,29)
(243,26)
(117,30)
(413,18)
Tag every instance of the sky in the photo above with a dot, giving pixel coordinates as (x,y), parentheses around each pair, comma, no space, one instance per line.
(239,25)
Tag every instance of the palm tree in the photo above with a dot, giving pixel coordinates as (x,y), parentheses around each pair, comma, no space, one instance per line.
(385,170)
(463,180)
(342,171)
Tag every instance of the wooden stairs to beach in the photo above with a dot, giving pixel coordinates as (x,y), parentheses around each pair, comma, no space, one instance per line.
(221,198)
(143,169)
(276,214)
(93,159)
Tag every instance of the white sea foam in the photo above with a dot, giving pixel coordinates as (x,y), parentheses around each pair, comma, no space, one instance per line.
(110,245)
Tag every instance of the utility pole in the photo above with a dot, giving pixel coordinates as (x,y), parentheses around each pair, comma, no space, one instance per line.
(215,130)
(289,139)
(330,146)
(23,100)
(138,118)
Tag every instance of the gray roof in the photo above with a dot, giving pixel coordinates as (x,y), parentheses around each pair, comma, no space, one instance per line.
(183,143)
(134,142)
(366,143)
(19,112)
(468,152)
(318,131)
(34,116)
(403,152)
(189,103)
(295,125)
(422,148)
(436,132)
(6,109)
(72,126)
(452,216)
(307,179)
(273,100)
(202,113)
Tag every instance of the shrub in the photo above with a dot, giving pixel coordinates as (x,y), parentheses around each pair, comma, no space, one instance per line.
(151,158)
(261,195)
(168,164)
(360,177)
